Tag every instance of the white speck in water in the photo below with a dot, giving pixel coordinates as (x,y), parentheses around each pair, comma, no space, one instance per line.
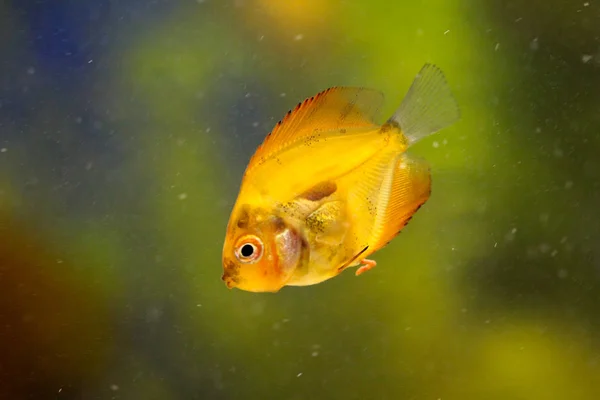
(420,32)
(436,144)
(554,253)
(314,353)
(255,124)
(586,58)
(59,261)
(31,70)
(78,120)
(198,305)
(586,4)
(59,390)
(281,94)
(3,150)
(207,130)
(544,248)
(447,31)
(299,375)
(182,196)
(558,153)
(568,184)
(90,61)
(298,37)
(538,129)
(495,244)
(89,166)
(114,387)
(445,142)
(497,47)
(562,273)
(534,44)
(261,37)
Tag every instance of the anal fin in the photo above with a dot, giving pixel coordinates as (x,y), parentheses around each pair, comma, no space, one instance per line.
(402,194)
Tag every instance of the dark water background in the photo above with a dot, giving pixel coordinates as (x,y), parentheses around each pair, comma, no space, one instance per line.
(125,127)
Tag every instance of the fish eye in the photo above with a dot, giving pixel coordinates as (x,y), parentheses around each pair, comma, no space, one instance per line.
(249,249)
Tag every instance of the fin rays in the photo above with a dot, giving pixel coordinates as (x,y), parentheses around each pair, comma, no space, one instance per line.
(428,106)
(337,108)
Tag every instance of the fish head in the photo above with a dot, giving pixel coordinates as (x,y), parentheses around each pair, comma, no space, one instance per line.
(261,251)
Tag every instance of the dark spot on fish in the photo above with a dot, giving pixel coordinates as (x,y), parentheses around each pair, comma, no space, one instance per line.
(231,273)
(342,130)
(244,218)
(319,191)
(315,223)
(385,128)
(279,224)
(391,123)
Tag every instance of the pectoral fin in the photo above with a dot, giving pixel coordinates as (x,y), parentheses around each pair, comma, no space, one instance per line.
(328,223)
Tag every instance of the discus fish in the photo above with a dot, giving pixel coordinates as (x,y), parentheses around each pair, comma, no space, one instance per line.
(329,186)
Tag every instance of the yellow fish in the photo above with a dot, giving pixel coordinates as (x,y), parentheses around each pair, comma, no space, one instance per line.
(329,186)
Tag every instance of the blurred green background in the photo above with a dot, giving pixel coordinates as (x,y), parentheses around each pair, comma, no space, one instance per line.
(125,128)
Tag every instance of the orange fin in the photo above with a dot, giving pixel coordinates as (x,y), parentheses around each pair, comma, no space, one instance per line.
(403,192)
(336,108)
(368,265)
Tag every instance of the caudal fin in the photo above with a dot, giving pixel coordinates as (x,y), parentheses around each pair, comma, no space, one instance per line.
(428,107)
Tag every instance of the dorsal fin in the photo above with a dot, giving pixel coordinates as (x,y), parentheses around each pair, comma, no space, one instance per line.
(333,109)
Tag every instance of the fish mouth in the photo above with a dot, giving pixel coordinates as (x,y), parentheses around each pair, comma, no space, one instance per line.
(231,274)
(230,283)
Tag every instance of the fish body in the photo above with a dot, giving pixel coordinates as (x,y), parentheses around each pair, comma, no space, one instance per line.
(329,186)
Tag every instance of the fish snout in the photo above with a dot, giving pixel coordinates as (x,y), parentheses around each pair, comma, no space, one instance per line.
(231,274)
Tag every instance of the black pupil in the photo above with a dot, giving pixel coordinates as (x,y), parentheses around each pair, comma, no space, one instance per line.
(247,250)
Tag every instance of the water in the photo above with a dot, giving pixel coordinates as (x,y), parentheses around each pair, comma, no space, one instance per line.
(125,128)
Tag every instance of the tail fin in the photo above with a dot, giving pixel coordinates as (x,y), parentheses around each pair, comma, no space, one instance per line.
(428,107)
